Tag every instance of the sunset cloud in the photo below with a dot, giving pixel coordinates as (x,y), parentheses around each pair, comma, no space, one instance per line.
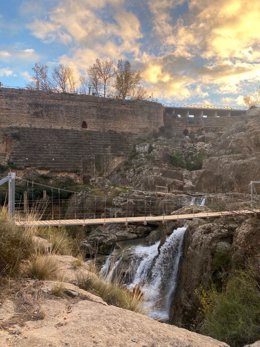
(188,50)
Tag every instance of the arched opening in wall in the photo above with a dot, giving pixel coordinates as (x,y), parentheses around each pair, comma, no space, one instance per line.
(84,125)
(186,132)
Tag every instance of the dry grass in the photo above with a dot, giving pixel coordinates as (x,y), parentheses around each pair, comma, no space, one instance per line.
(15,246)
(43,267)
(58,290)
(77,263)
(61,243)
(111,293)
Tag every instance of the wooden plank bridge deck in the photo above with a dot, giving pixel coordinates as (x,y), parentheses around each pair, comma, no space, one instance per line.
(126,220)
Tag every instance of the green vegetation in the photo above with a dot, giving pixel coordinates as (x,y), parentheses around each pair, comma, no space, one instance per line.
(233,315)
(111,293)
(190,161)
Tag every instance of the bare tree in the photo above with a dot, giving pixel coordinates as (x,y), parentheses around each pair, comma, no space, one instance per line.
(64,79)
(40,79)
(94,78)
(100,74)
(139,93)
(85,85)
(127,81)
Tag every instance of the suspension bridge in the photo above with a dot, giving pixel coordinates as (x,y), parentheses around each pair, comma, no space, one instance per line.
(50,209)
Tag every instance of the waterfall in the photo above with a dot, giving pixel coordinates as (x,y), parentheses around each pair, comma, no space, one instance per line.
(154,272)
(203,201)
(192,202)
(198,201)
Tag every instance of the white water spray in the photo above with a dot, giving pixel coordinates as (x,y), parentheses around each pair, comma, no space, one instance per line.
(156,271)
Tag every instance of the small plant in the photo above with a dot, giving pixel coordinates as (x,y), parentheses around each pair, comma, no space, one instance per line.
(58,290)
(43,268)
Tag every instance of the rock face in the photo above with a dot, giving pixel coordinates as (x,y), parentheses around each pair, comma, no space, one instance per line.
(81,319)
(211,251)
(234,159)
(217,162)
(103,239)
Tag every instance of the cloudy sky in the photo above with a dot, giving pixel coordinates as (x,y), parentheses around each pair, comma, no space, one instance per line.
(190,52)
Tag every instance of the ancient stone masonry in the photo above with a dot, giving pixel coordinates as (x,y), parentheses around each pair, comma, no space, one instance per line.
(64,150)
(27,108)
(178,119)
(87,134)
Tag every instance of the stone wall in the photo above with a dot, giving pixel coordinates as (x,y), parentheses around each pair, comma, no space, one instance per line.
(87,134)
(179,119)
(28,108)
(62,150)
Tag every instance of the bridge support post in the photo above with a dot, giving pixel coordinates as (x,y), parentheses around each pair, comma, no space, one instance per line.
(11,194)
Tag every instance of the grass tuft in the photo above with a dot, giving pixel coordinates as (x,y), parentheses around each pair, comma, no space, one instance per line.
(58,290)
(59,239)
(111,293)
(43,267)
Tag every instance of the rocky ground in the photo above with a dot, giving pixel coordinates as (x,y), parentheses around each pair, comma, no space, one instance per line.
(59,314)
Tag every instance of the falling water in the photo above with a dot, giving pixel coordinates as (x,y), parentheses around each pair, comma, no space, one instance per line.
(155,271)
(192,202)
(203,201)
(198,201)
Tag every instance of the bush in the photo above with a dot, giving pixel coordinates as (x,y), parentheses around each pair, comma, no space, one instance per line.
(233,316)
(190,161)
(15,246)
(111,293)
(177,160)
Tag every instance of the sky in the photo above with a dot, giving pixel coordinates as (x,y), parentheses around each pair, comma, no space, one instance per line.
(195,52)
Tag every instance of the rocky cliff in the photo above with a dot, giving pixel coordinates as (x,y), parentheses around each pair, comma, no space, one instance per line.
(212,250)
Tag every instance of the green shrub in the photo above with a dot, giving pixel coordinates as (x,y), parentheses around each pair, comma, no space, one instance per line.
(177,160)
(16,246)
(233,316)
(190,161)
